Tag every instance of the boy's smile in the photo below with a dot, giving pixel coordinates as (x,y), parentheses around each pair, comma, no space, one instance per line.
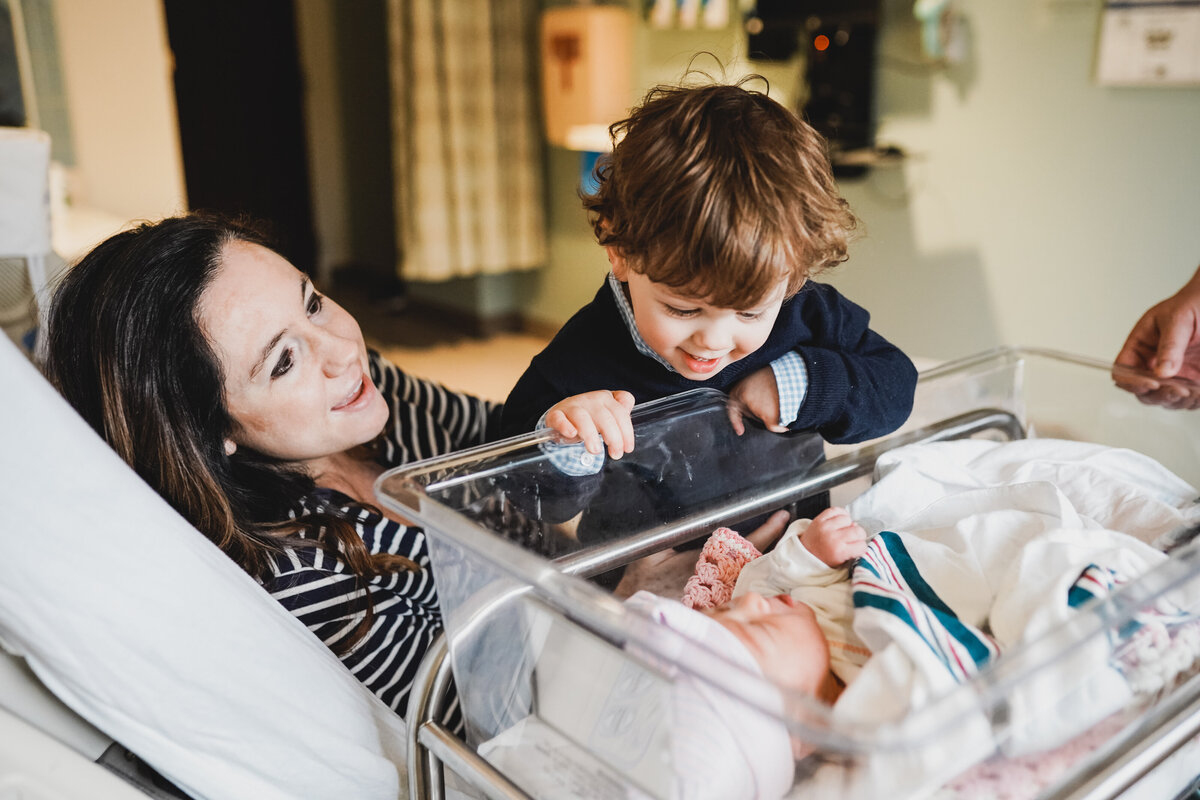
(697,339)
(701,365)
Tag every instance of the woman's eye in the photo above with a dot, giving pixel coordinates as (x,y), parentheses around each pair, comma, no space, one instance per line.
(283,365)
(315,303)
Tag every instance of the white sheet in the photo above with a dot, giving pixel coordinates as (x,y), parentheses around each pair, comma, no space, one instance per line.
(1115,488)
(150,633)
(998,534)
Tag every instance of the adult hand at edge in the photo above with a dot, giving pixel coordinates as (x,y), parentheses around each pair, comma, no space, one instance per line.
(1163,344)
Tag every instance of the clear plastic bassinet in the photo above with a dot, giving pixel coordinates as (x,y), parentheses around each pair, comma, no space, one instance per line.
(568,693)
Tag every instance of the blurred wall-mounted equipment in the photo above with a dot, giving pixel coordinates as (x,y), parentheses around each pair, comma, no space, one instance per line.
(587,72)
(840,73)
(838,39)
(773,30)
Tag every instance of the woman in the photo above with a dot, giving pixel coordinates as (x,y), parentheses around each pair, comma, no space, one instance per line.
(250,402)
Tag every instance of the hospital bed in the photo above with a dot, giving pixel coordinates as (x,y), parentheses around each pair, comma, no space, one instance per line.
(128,640)
(547,663)
(132,647)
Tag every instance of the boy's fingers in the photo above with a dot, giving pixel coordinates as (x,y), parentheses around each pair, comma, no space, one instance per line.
(614,428)
(626,432)
(735,419)
(624,398)
(614,435)
(622,425)
(561,423)
(593,442)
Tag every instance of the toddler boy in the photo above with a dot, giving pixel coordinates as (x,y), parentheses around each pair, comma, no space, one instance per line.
(715,207)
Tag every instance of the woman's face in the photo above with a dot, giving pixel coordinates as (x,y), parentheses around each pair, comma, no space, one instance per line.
(294,362)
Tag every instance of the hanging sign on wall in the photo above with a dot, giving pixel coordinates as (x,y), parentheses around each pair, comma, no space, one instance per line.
(1149,43)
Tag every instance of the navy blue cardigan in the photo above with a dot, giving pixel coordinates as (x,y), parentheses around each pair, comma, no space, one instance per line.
(860,385)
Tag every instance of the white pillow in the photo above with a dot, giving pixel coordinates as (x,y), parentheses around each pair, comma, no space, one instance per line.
(145,629)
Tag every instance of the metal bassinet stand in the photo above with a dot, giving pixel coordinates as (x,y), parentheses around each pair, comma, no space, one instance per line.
(475,501)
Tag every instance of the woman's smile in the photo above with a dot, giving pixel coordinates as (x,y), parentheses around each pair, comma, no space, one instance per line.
(359,397)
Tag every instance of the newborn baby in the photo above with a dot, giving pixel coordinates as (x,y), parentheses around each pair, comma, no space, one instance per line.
(811,566)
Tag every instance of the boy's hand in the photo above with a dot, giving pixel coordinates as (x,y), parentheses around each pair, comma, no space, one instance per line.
(758,394)
(834,538)
(595,418)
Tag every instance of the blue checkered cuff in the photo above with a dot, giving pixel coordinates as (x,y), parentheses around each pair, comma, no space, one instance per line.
(791,377)
(570,459)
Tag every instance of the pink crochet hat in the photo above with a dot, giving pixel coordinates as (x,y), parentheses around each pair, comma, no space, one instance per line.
(723,556)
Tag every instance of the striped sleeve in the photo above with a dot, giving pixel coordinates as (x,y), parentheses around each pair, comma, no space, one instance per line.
(428,419)
(325,595)
(893,597)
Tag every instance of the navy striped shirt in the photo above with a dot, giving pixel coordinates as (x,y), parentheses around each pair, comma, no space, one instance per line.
(425,420)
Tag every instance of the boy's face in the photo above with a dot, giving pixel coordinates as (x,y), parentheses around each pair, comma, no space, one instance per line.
(697,339)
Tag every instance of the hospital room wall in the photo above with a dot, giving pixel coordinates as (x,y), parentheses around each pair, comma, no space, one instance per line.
(1034,207)
(116,69)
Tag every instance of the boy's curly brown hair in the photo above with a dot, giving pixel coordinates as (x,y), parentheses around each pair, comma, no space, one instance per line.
(720,192)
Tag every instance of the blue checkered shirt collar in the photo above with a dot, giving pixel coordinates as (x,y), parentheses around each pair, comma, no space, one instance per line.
(626,311)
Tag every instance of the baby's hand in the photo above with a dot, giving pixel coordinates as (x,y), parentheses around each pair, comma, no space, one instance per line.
(758,394)
(834,538)
(595,418)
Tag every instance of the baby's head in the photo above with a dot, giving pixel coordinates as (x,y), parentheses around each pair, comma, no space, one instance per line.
(724,744)
(715,198)
(783,637)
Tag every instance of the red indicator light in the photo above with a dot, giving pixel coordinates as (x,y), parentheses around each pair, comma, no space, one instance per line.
(821,43)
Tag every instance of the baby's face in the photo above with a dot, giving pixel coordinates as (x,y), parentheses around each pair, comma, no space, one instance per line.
(784,638)
(697,339)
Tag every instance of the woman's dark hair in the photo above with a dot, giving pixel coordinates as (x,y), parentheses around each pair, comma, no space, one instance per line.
(721,191)
(126,349)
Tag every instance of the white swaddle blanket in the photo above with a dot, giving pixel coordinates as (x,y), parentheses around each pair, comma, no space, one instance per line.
(979,547)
